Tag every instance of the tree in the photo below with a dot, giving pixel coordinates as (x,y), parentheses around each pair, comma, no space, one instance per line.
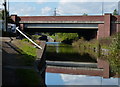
(115,12)
(114,55)
(3,14)
(85,14)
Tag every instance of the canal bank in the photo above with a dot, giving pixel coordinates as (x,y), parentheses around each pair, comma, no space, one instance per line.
(18,66)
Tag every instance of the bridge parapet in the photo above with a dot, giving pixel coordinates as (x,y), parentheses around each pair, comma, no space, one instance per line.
(62,18)
(86,22)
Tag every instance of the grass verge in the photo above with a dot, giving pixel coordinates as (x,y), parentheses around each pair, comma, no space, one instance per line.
(27,50)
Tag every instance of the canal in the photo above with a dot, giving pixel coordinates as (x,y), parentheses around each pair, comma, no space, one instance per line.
(63,52)
(63,55)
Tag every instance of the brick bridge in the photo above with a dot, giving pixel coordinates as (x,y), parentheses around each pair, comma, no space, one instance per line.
(90,26)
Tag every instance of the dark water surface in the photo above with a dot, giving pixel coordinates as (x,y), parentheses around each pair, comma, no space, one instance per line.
(63,52)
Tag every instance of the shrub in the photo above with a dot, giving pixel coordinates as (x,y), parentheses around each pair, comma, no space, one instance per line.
(114,56)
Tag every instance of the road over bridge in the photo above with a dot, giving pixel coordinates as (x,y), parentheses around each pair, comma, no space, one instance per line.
(90,26)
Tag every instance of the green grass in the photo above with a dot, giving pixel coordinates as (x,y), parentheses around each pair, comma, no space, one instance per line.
(28,77)
(27,50)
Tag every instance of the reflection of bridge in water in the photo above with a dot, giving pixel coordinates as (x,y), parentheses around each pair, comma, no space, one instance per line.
(101,68)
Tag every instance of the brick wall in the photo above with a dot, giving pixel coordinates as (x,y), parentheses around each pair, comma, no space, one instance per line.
(101,64)
(107,25)
(118,27)
(62,18)
(100,33)
(104,64)
(74,71)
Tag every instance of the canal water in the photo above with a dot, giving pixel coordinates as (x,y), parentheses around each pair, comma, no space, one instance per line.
(56,51)
(63,52)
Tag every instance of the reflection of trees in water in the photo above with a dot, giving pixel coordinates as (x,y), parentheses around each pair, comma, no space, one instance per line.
(67,53)
(91,52)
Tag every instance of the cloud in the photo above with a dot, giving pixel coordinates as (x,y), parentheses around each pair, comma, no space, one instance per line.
(87,80)
(72,8)
(40,1)
(67,79)
(46,11)
(80,80)
(1,4)
(1,1)
(64,7)
(109,7)
(65,1)
(22,9)
(78,8)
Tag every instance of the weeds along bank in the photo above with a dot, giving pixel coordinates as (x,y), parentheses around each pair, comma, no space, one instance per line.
(107,48)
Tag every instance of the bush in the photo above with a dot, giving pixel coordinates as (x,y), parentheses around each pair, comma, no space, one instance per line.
(64,37)
(114,56)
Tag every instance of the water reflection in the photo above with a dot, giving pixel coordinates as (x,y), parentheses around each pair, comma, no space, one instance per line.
(67,79)
(63,52)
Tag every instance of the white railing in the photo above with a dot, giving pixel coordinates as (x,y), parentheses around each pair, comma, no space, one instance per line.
(28,38)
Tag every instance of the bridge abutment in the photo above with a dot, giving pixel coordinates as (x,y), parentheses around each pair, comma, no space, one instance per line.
(104,30)
(107,25)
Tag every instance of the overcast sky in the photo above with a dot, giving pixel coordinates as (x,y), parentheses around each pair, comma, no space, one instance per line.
(63,7)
